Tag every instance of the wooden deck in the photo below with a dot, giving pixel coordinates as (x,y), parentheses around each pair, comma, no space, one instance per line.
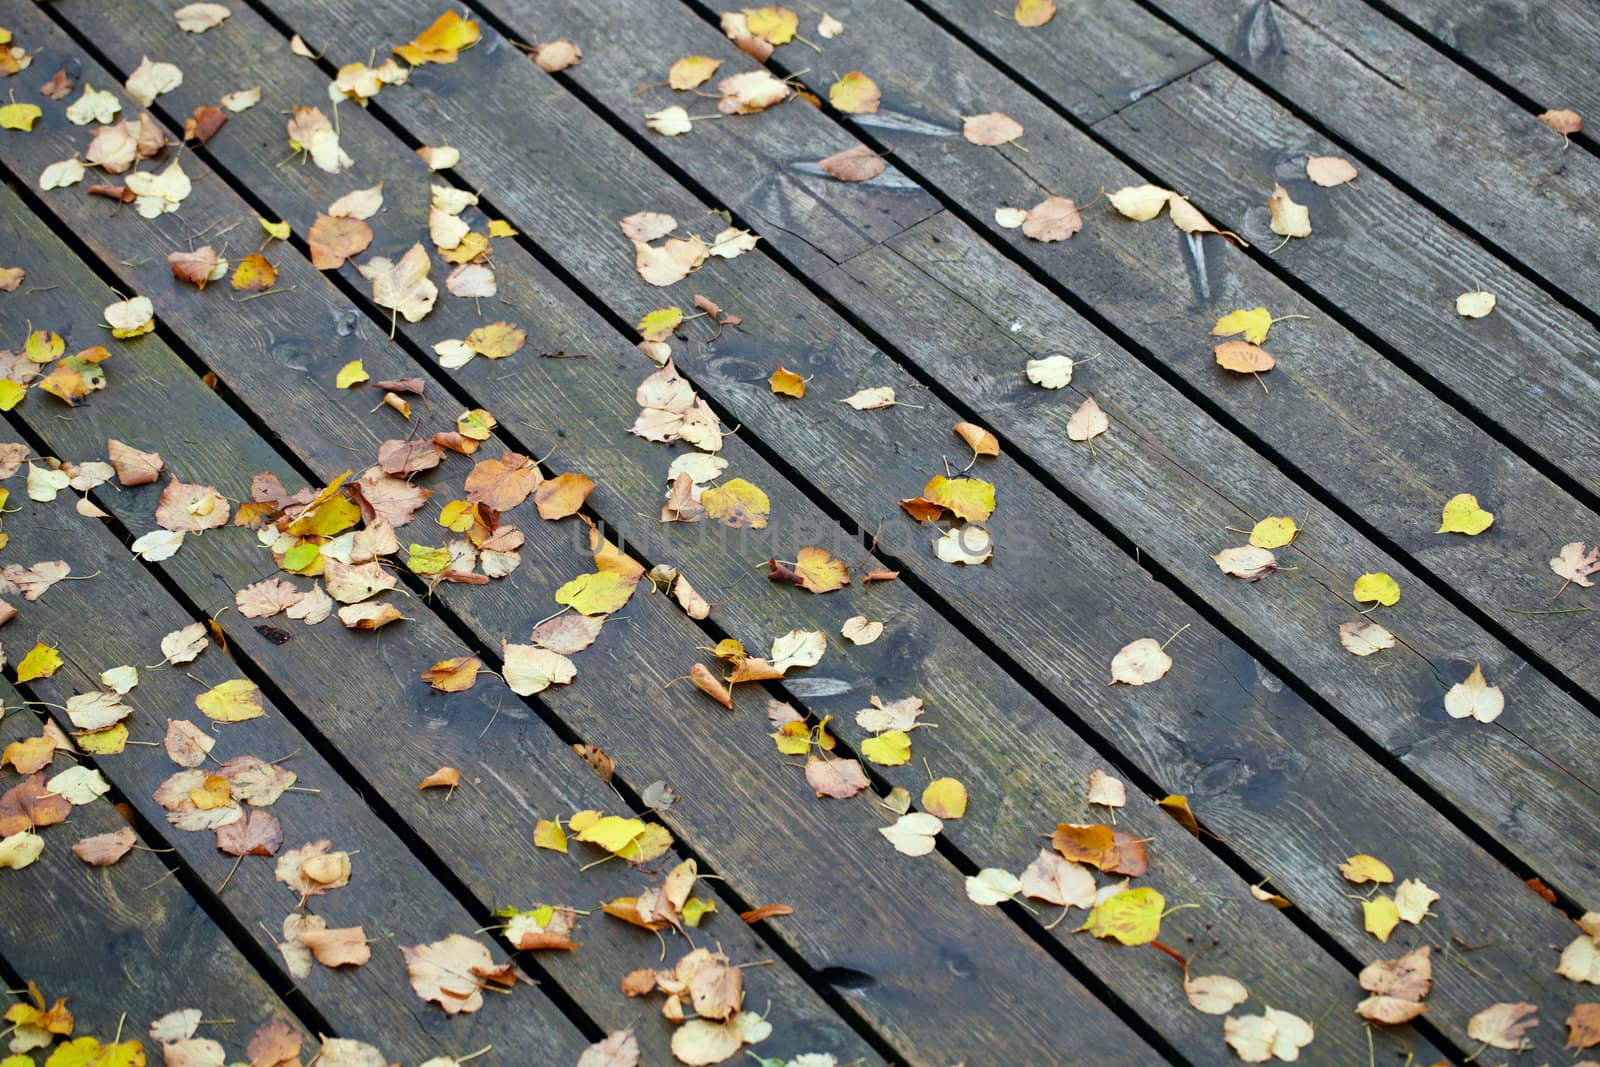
(1293,754)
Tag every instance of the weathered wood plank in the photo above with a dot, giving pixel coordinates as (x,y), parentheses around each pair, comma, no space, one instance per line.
(1212,482)
(402,98)
(1453,138)
(866,881)
(470,830)
(125,944)
(1541,48)
(1386,261)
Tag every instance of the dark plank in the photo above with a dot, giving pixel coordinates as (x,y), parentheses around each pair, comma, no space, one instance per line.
(867,879)
(1429,123)
(125,944)
(1217,483)
(1384,260)
(1342,417)
(470,830)
(477,144)
(1539,49)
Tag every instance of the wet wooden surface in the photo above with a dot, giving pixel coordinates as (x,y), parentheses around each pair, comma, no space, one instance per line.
(1293,754)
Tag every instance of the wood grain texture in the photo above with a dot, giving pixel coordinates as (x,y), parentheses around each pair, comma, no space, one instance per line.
(1541,48)
(1433,124)
(1386,261)
(1007,959)
(490,51)
(125,944)
(474,830)
(971,319)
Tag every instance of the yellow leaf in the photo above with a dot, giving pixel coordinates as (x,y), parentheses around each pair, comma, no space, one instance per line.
(691,71)
(1362,868)
(786,382)
(1032,13)
(652,844)
(946,798)
(440,42)
(968,498)
(501,228)
(1378,587)
(232,701)
(659,324)
(1274,531)
(108,742)
(254,274)
(547,833)
(612,832)
(44,345)
(737,503)
(351,374)
(1242,357)
(41,662)
(819,572)
(773,24)
(599,593)
(423,559)
(1462,515)
(1253,323)
(19,116)
(1381,916)
(278,230)
(892,748)
(854,93)
(1133,916)
(11,393)
(330,512)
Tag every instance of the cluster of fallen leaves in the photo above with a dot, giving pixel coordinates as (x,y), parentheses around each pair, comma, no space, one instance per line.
(339,552)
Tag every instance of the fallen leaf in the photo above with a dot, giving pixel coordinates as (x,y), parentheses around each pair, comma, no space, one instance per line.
(1475,305)
(913,833)
(1088,422)
(854,93)
(1362,868)
(838,778)
(1363,638)
(1054,218)
(102,850)
(1132,917)
(1399,987)
(555,56)
(1289,219)
(1380,916)
(149,80)
(1106,791)
(1247,562)
(1056,880)
(1376,588)
(1463,515)
(1475,698)
(993,128)
(1503,1025)
(1214,994)
(452,973)
(1140,663)
(1242,357)
(1031,13)
(857,164)
(1564,122)
(1329,171)
(992,886)
(1575,565)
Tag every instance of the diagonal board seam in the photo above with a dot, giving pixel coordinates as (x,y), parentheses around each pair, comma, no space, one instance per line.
(1052,946)
(1310,485)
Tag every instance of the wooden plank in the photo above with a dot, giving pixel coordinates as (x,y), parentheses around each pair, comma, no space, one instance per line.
(511,74)
(1540,50)
(469,830)
(1016,827)
(1399,452)
(864,879)
(1384,260)
(1215,482)
(1480,157)
(125,944)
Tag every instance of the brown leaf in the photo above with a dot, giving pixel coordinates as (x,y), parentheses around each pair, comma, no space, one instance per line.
(134,467)
(333,240)
(838,778)
(342,947)
(1503,1025)
(258,834)
(765,911)
(443,778)
(857,164)
(29,805)
(452,973)
(1055,218)
(710,685)
(503,483)
(1400,986)
(102,850)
